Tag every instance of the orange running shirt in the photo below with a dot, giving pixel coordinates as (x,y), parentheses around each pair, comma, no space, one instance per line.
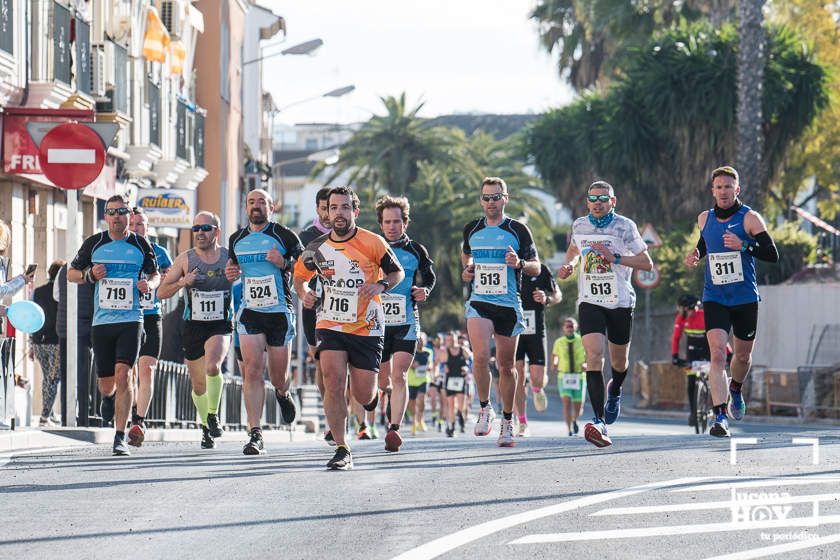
(344,266)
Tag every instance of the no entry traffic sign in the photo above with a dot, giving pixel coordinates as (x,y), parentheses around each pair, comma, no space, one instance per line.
(72,155)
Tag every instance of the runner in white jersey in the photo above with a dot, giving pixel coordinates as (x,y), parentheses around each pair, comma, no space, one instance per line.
(608,246)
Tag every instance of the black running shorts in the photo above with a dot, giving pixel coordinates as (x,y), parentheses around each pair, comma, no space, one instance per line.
(533,346)
(414,391)
(152,336)
(617,323)
(197,333)
(395,341)
(504,318)
(363,352)
(115,343)
(275,326)
(742,319)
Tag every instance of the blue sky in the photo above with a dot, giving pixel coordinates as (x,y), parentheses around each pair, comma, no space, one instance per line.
(459,56)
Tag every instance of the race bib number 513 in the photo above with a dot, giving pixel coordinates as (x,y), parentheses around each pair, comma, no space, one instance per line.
(491,279)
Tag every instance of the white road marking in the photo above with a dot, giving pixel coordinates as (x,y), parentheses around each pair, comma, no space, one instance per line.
(778,549)
(661,531)
(733,447)
(435,548)
(770,481)
(728,504)
(71,155)
(812,441)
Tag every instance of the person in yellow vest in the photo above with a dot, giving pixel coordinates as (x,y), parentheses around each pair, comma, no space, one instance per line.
(568,359)
(419,377)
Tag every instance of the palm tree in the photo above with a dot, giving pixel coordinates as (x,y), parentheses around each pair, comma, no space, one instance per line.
(751,62)
(383,156)
(590,36)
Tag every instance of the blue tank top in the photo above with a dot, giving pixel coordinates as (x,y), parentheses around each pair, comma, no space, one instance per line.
(149,302)
(731,293)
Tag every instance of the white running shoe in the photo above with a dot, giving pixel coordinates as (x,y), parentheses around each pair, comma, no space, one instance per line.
(506,434)
(540,401)
(484,424)
(524,430)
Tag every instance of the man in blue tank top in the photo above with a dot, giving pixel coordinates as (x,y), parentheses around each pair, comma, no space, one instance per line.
(114,260)
(732,236)
(496,251)
(263,254)
(402,318)
(152,334)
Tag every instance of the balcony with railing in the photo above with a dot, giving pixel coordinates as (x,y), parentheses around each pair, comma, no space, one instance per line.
(60,57)
(190,146)
(146,149)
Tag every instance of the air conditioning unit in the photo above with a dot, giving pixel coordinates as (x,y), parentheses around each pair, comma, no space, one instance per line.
(97,71)
(172,15)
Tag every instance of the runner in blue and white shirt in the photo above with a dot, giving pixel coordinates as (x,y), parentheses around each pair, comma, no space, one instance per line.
(497,249)
(116,261)
(399,304)
(263,254)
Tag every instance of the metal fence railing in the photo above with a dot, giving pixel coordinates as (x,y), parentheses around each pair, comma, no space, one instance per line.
(172,405)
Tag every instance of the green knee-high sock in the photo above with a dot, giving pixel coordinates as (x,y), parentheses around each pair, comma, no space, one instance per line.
(201,406)
(214,393)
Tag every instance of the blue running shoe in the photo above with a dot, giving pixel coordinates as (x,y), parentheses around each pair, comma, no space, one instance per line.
(721,426)
(736,408)
(612,410)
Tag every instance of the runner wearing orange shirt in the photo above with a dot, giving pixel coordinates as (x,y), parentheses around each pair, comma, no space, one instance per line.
(355,266)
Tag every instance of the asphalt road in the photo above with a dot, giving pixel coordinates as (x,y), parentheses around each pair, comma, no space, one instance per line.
(659,492)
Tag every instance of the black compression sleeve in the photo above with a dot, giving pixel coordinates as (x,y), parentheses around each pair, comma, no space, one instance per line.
(763,248)
(701,247)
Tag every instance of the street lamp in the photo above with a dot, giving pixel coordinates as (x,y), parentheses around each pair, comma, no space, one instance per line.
(337,92)
(307,47)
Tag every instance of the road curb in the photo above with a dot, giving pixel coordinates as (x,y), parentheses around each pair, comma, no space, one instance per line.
(779,420)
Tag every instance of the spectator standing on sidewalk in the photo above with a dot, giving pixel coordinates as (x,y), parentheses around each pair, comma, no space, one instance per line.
(45,347)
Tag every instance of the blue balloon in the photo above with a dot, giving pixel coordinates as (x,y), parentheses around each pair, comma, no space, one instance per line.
(26,316)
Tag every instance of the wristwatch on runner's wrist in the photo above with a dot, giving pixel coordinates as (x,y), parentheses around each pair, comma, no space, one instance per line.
(385,284)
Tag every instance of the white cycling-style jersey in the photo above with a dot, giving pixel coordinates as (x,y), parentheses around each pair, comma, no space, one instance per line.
(600,282)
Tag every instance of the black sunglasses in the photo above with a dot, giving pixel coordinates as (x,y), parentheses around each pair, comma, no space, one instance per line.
(203,227)
(493,197)
(598,197)
(119,211)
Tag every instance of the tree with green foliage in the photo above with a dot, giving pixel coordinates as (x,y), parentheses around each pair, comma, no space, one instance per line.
(669,119)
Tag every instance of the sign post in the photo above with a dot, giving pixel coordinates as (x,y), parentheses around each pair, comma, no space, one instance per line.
(72,156)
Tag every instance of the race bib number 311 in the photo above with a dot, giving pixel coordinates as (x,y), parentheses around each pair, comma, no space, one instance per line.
(491,279)
(726,268)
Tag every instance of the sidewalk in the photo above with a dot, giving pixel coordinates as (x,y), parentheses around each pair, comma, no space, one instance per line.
(30,440)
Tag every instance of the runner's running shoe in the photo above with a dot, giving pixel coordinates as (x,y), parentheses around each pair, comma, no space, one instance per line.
(484,424)
(423,427)
(575,427)
(213,425)
(374,433)
(328,437)
(120,446)
(393,440)
(341,461)
(595,433)
(363,433)
(136,435)
(255,445)
(524,430)
(720,428)
(736,407)
(206,438)
(506,434)
(288,408)
(540,400)
(612,409)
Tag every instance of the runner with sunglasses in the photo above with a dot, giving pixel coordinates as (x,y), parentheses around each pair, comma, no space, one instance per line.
(152,334)
(732,236)
(114,260)
(497,250)
(208,315)
(609,247)
(263,254)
